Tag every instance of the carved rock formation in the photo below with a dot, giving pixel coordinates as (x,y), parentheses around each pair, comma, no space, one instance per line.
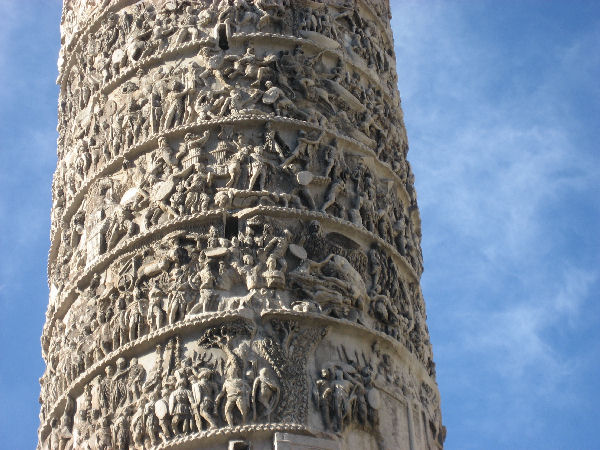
(235,244)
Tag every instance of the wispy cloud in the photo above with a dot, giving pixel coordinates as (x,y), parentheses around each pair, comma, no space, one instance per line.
(499,162)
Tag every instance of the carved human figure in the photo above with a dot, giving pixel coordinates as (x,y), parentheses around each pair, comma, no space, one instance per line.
(177,200)
(180,407)
(119,384)
(240,63)
(337,187)
(161,409)
(236,393)
(237,103)
(251,272)
(275,96)
(105,340)
(265,394)
(188,30)
(304,150)
(375,269)
(104,435)
(324,396)
(276,248)
(121,430)
(65,434)
(120,325)
(151,424)
(342,394)
(135,315)
(334,158)
(204,391)
(135,380)
(235,163)
(82,428)
(137,431)
(258,168)
(177,302)
(174,105)
(205,280)
(272,12)
(156,314)
(105,390)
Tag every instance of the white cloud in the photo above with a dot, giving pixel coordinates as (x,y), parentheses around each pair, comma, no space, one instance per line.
(498,168)
(514,333)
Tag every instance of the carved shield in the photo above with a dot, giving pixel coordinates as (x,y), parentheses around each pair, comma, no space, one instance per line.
(304,178)
(162,190)
(216,252)
(298,251)
(161,409)
(373,398)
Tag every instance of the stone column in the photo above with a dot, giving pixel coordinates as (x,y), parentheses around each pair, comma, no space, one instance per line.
(235,245)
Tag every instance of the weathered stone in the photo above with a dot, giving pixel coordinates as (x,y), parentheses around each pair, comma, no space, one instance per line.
(235,254)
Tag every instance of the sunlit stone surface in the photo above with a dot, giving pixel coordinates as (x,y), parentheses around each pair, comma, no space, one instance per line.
(235,254)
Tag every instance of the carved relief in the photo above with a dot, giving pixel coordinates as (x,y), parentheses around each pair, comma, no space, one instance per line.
(233,374)
(232,196)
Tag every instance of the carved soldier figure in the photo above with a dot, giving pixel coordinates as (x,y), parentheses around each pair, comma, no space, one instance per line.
(277,247)
(121,430)
(204,391)
(151,424)
(174,105)
(240,63)
(106,389)
(135,380)
(119,384)
(180,407)
(251,272)
(189,29)
(120,323)
(161,409)
(156,314)
(258,168)
(324,396)
(135,315)
(376,267)
(177,301)
(104,440)
(178,199)
(83,430)
(342,394)
(137,427)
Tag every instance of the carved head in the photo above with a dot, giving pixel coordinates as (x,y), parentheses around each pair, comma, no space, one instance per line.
(121,363)
(314,227)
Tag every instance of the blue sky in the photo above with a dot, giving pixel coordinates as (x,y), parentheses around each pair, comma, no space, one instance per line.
(502,107)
